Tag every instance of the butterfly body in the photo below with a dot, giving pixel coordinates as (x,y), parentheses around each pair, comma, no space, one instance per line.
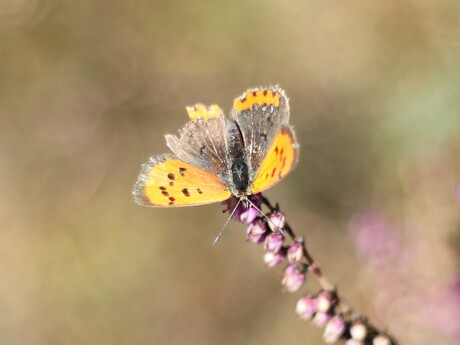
(217,156)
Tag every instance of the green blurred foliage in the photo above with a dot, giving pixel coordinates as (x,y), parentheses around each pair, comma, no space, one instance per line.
(89,88)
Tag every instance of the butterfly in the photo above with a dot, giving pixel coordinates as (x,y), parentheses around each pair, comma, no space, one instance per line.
(217,156)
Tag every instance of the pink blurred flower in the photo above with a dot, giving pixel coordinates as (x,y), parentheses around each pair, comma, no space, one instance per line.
(373,235)
(442,308)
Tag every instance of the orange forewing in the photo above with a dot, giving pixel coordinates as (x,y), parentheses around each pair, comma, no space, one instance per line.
(168,181)
(281,158)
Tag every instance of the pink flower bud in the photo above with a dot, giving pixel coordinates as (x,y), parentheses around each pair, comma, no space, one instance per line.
(273,259)
(277,221)
(381,339)
(256,232)
(294,276)
(249,215)
(320,319)
(274,242)
(358,330)
(296,267)
(306,307)
(325,300)
(334,330)
(295,252)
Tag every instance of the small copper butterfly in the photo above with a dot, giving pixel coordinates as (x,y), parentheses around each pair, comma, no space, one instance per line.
(216,156)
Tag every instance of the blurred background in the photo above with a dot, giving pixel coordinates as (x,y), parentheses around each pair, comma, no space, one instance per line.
(89,88)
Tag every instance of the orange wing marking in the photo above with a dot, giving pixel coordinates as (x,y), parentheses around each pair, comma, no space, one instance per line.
(200,111)
(281,158)
(259,97)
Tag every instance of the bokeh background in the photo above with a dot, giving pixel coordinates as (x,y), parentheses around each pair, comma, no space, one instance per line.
(89,88)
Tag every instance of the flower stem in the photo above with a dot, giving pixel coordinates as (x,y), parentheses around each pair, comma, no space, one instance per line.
(341,308)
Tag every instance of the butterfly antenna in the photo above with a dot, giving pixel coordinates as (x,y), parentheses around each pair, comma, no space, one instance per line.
(268,219)
(223,228)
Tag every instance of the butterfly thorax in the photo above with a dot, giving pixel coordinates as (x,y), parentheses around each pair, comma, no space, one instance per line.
(240,177)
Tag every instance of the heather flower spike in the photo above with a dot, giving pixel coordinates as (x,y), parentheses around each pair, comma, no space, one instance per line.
(323,309)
